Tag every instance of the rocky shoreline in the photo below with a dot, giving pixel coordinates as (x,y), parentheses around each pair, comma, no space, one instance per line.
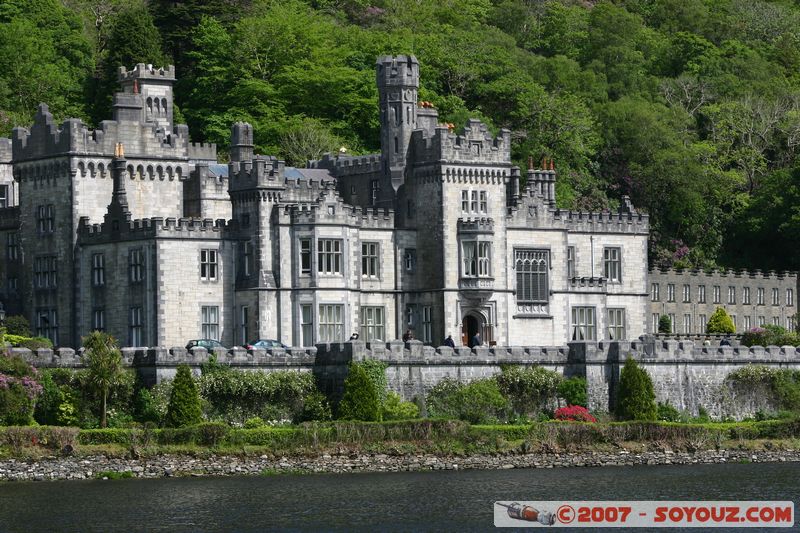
(74,468)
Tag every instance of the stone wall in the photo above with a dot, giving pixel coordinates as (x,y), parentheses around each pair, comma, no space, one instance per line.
(686,375)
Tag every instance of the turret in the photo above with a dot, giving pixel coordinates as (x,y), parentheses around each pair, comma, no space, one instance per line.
(241,142)
(543,181)
(146,95)
(398,83)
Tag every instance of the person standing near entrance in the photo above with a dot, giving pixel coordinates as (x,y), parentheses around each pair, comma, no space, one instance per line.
(476,340)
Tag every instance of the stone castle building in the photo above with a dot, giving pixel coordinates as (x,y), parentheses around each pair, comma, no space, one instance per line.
(135,230)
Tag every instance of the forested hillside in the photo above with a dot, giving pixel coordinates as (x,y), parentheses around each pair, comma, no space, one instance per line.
(691,107)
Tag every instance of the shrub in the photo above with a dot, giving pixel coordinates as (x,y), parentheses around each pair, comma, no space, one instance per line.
(478,402)
(573,391)
(31,343)
(252,423)
(103,362)
(315,407)
(667,413)
(17,325)
(636,399)
(18,391)
(770,335)
(394,408)
(576,413)
(376,370)
(664,324)
(720,322)
(360,400)
(530,390)
(784,383)
(184,401)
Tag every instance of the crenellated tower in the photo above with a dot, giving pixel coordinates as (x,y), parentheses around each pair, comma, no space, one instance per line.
(146,95)
(398,84)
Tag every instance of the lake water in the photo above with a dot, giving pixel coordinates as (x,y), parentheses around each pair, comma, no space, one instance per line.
(424,501)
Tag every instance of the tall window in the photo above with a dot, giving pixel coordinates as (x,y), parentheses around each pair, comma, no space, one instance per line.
(687,293)
(776,321)
(672,326)
(465,201)
(483,205)
(701,294)
(45,273)
(331,323)
(135,326)
(329,256)
(760,295)
(747,322)
(376,188)
(613,268)
(427,323)
(99,320)
(687,323)
(247,259)
(4,198)
(136,265)
(12,246)
(373,324)
(702,321)
(789,297)
(761,321)
(571,262)
(244,324)
(790,323)
(45,218)
(670,292)
(776,296)
(717,294)
(731,295)
(305,256)
(616,324)
(208,266)
(484,259)
(733,319)
(410,259)
(369,259)
(584,326)
(47,324)
(473,203)
(655,292)
(746,295)
(307,324)
(209,316)
(98,270)
(654,322)
(531,268)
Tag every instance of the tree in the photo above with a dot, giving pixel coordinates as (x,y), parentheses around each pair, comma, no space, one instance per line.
(664,324)
(720,322)
(360,400)
(307,140)
(18,325)
(184,401)
(104,365)
(636,399)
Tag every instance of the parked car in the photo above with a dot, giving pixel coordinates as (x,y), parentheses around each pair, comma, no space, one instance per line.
(266,344)
(208,344)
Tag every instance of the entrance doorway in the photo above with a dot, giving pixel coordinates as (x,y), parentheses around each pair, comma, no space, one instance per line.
(470,325)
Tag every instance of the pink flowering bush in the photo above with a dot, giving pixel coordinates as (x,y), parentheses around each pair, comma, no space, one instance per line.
(575,413)
(18,391)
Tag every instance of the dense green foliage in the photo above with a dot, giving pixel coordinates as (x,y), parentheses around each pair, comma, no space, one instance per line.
(18,391)
(664,324)
(690,107)
(477,402)
(636,399)
(103,362)
(360,400)
(530,390)
(17,325)
(770,335)
(31,343)
(573,391)
(184,401)
(782,383)
(394,408)
(720,322)
(376,370)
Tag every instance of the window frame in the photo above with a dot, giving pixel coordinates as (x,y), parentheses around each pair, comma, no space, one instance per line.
(98,269)
(135,328)
(655,292)
(209,265)
(329,329)
(330,257)
(585,330)
(612,264)
(370,259)
(615,331)
(136,265)
(373,323)
(209,322)
(538,291)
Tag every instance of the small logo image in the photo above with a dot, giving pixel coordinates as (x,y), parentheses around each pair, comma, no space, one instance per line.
(527,513)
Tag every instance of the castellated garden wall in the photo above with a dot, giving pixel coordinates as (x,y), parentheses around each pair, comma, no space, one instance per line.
(685,374)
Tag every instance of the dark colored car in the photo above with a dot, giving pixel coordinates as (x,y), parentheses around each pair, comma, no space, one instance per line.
(266,344)
(208,344)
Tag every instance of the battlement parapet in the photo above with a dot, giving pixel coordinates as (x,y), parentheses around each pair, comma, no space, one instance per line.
(341,165)
(473,145)
(344,214)
(757,274)
(205,228)
(650,350)
(202,151)
(9,218)
(146,72)
(605,221)
(262,172)
(401,71)
(475,225)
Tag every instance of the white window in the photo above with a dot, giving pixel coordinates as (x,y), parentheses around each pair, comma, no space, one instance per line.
(329,256)
(247,259)
(136,266)
(410,259)
(702,321)
(671,322)
(776,321)
(307,324)
(208,266)
(244,322)
(717,294)
(474,202)
(655,292)
(733,319)
(99,320)
(571,272)
(789,297)
(531,269)
(465,201)
(47,324)
(373,324)
(369,259)
(98,270)
(761,321)
(12,246)
(790,323)
(135,326)
(484,259)
(701,294)
(331,323)
(305,256)
(746,322)
(476,259)
(746,295)
(760,294)
(616,324)
(484,202)
(654,319)
(687,293)
(613,268)
(731,295)
(687,323)
(4,199)
(209,315)
(376,189)
(776,296)
(45,272)
(427,323)
(670,292)
(584,324)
